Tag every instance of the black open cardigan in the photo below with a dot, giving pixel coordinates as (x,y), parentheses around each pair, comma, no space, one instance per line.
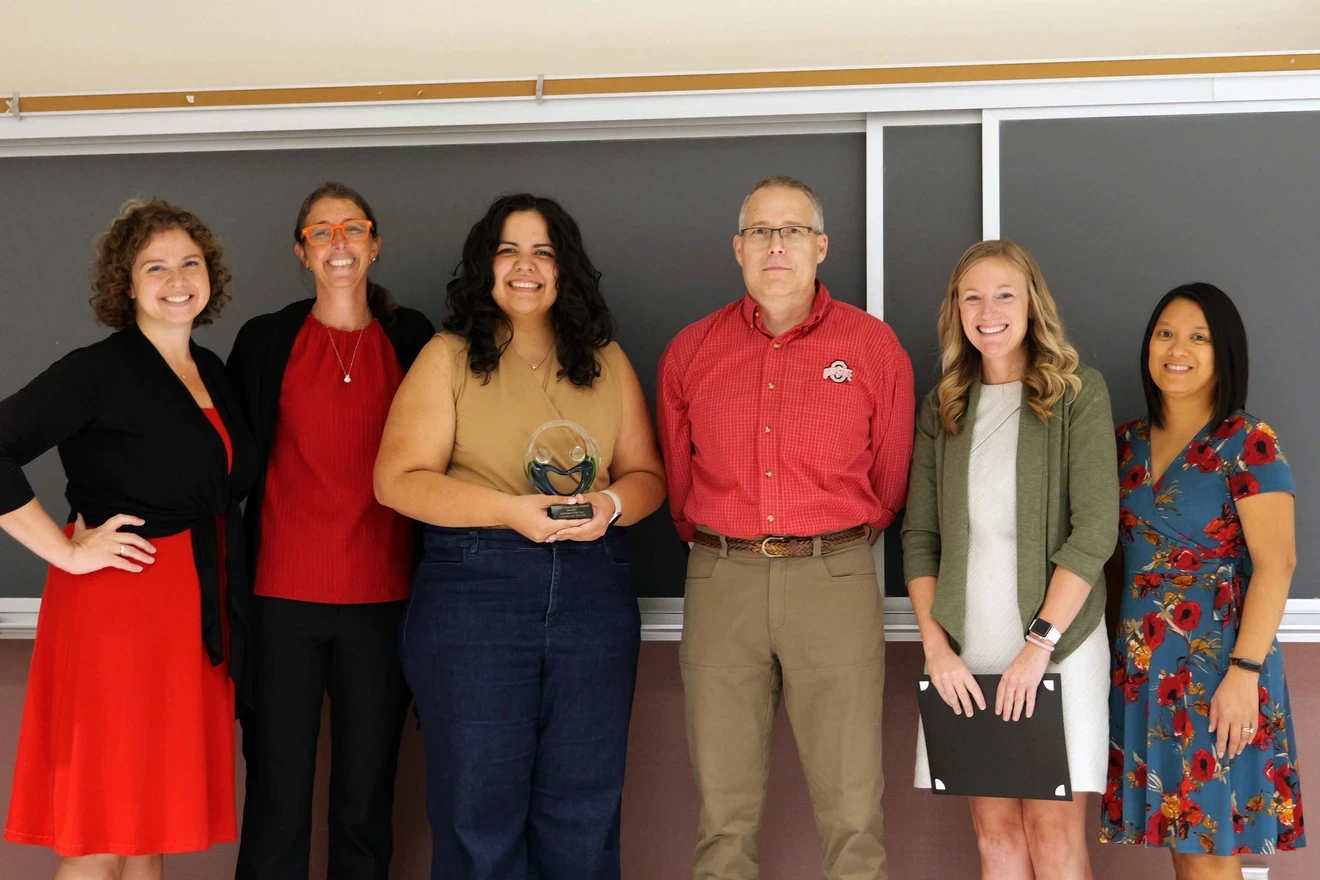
(256,371)
(133,440)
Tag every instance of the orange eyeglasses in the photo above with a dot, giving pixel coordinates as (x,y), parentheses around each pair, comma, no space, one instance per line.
(322,234)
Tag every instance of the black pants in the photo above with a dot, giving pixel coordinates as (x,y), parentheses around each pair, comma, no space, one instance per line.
(302,651)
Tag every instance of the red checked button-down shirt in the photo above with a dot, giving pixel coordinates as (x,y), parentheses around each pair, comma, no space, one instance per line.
(797,434)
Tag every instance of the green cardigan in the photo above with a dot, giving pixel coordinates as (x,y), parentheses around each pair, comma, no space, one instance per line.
(1067,506)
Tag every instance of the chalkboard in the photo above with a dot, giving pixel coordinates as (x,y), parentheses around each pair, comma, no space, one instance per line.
(932,215)
(1119,211)
(657,216)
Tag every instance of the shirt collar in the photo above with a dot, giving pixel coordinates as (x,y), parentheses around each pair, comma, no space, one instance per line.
(751,311)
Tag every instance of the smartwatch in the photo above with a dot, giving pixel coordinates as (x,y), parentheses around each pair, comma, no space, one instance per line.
(1043,629)
(618,505)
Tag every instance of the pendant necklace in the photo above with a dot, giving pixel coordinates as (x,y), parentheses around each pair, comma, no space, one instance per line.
(348,373)
(539,364)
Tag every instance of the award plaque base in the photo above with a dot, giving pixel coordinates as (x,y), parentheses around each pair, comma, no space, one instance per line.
(571,511)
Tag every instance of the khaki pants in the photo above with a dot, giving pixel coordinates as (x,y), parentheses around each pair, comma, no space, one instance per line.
(813,629)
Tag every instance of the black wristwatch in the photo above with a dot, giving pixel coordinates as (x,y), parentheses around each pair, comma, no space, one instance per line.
(1244,663)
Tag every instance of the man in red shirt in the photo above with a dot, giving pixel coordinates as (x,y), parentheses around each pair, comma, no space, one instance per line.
(786,424)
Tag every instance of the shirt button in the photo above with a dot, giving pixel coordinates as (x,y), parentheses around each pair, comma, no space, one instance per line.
(767,429)
(769,474)
(776,345)
(772,386)
(770,518)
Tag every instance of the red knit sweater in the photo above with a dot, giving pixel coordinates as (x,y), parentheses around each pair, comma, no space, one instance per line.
(324,538)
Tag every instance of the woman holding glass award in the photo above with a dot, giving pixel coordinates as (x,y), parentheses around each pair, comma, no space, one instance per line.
(521,638)
(1011,516)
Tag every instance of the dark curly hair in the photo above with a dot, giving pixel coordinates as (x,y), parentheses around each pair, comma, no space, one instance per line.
(582,321)
(118,247)
(380,302)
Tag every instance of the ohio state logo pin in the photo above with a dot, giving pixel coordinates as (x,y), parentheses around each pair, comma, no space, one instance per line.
(838,371)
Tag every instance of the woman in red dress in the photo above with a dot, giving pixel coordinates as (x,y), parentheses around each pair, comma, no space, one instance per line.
(127,745)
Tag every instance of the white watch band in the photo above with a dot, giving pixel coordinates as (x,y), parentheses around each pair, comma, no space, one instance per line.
(618,505)
(1052,635)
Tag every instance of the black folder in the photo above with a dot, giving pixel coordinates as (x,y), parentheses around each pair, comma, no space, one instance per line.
(986,756)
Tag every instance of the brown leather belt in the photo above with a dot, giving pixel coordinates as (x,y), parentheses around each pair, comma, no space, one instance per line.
(784,545)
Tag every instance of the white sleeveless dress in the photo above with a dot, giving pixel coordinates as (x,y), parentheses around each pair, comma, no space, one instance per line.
(993,633)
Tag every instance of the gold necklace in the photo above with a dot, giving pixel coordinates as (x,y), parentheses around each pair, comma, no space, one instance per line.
(348,377)
(545,358)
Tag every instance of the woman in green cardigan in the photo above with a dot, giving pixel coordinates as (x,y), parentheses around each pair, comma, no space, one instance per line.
(1012,513)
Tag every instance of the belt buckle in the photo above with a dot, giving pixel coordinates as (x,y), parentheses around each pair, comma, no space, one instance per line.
(780,540)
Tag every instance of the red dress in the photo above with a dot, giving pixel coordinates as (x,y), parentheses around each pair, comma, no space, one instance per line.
(127,744)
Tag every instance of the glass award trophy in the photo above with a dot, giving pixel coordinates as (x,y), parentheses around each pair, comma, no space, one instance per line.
(562,459)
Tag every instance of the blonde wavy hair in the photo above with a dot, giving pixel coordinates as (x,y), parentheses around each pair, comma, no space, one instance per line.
(1052,362)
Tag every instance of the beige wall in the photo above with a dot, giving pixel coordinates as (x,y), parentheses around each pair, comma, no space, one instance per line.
(928,836)
(62,46)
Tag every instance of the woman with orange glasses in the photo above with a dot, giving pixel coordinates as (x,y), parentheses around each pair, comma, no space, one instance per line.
(331,567)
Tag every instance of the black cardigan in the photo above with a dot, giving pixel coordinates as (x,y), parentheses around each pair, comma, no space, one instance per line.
(256,369)
(133,440)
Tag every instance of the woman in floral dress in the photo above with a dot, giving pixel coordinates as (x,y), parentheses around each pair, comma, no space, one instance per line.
(1203,754)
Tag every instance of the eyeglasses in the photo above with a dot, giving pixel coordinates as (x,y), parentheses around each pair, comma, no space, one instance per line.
(322,234)
(759,236)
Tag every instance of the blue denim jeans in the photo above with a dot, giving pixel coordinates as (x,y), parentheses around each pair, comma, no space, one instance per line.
(522,659)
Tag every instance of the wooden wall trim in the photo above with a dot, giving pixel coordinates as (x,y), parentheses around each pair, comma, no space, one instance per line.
(671,83)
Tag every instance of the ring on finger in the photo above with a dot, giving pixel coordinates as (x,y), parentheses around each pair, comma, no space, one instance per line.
(122,549)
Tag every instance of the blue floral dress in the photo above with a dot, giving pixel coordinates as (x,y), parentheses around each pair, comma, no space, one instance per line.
(1186,569)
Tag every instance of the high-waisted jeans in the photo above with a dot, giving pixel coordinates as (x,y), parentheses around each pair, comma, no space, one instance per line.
(522,658)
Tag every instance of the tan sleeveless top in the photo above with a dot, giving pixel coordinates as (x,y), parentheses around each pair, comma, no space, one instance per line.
(495,421)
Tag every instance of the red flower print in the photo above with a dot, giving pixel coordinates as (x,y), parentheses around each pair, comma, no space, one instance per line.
(1223,595)
(1157,829)
(1259,447)
(1202,455)
(1243,485)
(1223,530)
(1115,763)
(1112,805)
(1203,765)
(1124,452)
(1186,616)
(1152,630)
(1147,582)
(1283,782)
(1139,776)
(1264,732)
(1189,812)
(1228,427)
(1170,690)
(1239,823)
(1269,770)
(1182,724)
(1184,559)
(1287,840)
(1241,849)
(1135,476)
(1127,521)
(1226,530)
(1133,686)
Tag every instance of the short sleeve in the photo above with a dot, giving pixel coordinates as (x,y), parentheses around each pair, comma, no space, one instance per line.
(1258,464)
